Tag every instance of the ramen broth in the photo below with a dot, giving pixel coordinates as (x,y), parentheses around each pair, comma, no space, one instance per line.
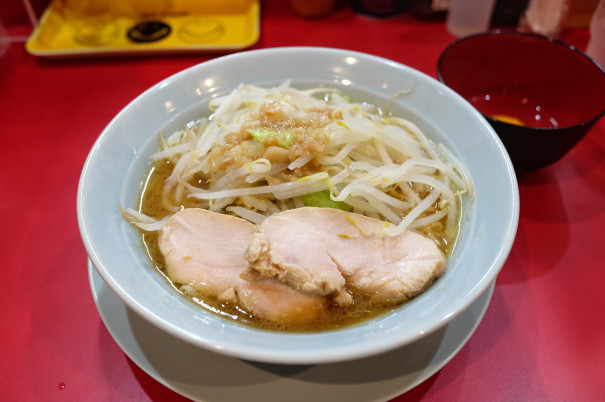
(334,316)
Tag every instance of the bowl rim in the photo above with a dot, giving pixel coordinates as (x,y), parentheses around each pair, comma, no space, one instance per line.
(497,260)
(510,32)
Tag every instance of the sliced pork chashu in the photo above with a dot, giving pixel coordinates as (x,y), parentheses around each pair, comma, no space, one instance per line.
(316,250)
(205,250)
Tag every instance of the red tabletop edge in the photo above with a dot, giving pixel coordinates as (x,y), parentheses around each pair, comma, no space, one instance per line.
(542,338)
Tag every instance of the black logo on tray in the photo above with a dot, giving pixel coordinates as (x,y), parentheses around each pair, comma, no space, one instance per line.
(149,31)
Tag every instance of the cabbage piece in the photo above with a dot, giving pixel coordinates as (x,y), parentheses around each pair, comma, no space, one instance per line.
(322,199)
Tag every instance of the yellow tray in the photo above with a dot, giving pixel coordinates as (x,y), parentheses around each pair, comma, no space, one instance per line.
(180,26)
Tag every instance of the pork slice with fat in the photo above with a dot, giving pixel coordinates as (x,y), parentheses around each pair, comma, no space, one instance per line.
(289,246)
(315,250)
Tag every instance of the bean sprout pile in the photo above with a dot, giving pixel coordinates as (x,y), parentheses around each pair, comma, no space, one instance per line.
(264,150)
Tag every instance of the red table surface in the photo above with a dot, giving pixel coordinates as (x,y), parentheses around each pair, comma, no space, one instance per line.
(542,338)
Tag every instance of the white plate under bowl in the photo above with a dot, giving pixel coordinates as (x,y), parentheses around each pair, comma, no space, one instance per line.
(119,160)
(206,376)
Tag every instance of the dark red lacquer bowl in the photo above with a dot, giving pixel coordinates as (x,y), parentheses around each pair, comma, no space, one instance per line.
(540,95)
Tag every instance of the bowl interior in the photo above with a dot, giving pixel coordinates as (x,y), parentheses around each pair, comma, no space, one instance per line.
(119,159)
(538,81)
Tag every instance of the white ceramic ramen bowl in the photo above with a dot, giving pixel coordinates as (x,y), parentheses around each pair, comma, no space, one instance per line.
(119,159)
